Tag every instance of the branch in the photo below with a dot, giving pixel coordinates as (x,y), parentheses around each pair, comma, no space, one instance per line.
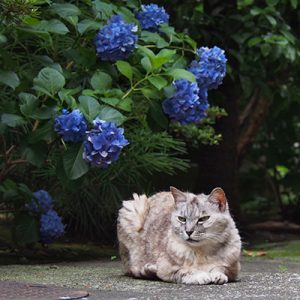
(250,122)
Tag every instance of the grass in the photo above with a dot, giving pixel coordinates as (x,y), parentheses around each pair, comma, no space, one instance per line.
(289,250)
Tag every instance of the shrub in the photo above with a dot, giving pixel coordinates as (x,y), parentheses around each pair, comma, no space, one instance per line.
(82,89)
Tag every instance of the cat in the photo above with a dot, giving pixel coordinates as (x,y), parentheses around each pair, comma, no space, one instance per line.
(179,237)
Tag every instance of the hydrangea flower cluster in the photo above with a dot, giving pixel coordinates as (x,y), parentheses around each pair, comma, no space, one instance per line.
(116,40)
(51,227)
(41,203)
(104,143)
(151,16)
(211,67)
(188,104)
(71,125)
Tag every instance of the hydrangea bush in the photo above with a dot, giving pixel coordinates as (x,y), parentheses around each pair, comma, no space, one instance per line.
(89,109)
(51,226)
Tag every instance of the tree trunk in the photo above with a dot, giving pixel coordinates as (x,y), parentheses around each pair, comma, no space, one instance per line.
(218,165)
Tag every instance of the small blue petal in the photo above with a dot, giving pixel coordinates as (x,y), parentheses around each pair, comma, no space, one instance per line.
(116,40)
(71,125)
(188,104)
(151,16)
(103,144)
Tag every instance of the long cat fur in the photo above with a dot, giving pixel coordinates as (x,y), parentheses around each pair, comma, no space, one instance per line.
(154,243)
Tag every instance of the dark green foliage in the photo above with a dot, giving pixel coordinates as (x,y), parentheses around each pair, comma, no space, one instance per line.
(48,63)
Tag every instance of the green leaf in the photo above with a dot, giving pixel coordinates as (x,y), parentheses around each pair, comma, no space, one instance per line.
(243,3)
(182,74)
(101,80)
(90,107)
(52,26)
(87,25)
(276,39)
(254,41)
(158,81)
(73,162)
(146,63)
(272,20)
(294,3)
(49,81)
(36,154)
(30,103)
(3,39)
(125,69)
(65,10)
(155,38)
(162,57)
(26,229)
(9,78)
(124,104)
(43,133)
(110,114)
(12,120)
(104,9)
(150,93)
(157,116)
(265,49)
(272,2)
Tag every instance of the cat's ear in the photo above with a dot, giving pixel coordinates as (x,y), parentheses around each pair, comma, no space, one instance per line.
(178,195)
(218,197)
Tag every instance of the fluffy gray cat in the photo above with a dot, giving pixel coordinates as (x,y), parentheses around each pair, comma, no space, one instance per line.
(179,237)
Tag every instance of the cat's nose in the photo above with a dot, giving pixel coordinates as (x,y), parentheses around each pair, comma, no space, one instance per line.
(189,233)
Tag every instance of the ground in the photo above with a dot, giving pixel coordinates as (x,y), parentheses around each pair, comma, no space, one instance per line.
(260,279)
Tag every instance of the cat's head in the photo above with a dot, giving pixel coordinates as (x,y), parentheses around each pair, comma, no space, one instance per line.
(198,219)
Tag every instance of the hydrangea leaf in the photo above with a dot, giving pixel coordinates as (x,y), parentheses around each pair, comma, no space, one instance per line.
(49,81)
(124,104)
(182,74)
(125,69)
(30,103)
(110,114)
(88,24)
(36,154)
(52,26)
(158,81)
(9,78)
(43,133)
(26,229)
(146,63)
(12,120)
(90,107)
(101,80)
(162,57)
(65,10)
(73,162)
(155,38)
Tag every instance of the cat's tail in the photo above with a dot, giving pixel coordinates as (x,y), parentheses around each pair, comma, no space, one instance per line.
(133,213)
(130,224)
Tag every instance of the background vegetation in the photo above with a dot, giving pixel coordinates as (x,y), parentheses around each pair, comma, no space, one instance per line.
(257,160)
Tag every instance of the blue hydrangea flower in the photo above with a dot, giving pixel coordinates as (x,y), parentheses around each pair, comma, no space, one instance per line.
(188,104)
(116,40)
(51,227)
(211,67)
(71,125)
(104,143)
(151,16)
(41,203)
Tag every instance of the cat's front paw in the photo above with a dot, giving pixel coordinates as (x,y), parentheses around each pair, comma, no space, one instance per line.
(197,278)
(219,277)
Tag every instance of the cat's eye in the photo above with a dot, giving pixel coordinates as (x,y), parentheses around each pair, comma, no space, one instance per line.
(203,219)
(181,219)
